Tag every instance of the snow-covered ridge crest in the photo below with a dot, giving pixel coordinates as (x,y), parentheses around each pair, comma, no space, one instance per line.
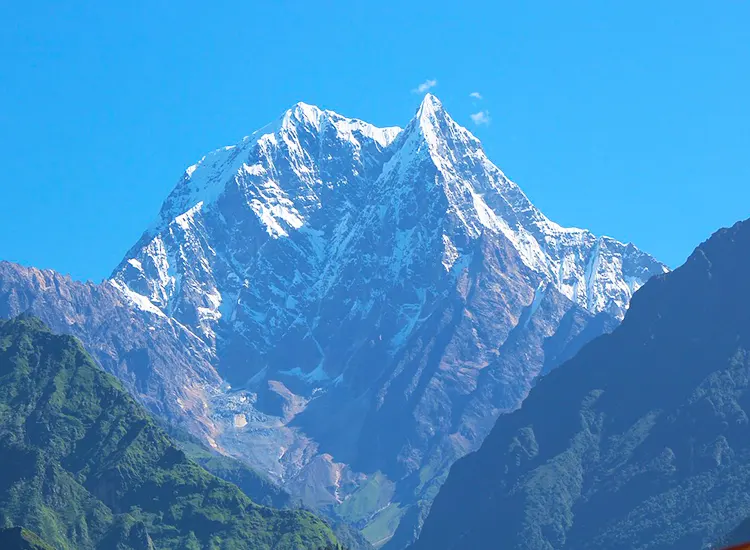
(206,180)
(336,177)
(598,273)
(348,128)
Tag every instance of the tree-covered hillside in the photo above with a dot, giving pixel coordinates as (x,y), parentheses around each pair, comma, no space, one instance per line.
(85,467)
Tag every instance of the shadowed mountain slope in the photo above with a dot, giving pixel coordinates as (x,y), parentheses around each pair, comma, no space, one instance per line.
(642,440)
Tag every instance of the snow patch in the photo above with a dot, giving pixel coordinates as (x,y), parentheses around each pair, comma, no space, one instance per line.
(140,301)
(136,264)
(316,375)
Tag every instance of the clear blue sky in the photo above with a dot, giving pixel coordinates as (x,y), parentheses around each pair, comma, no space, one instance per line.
(629,118)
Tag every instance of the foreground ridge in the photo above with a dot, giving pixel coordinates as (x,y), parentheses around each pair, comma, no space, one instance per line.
(647,446)
(85,467)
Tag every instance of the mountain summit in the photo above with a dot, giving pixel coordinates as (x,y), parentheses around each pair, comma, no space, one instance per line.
(371,299)
(351,278)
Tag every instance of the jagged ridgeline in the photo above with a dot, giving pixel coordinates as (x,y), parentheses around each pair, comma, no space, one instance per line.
(85,467)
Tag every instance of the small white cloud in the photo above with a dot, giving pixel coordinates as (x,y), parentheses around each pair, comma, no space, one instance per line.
(475,95)
(424,86)
(480,118)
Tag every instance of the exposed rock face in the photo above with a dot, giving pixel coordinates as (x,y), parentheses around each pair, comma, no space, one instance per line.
(640,441)
(374,297)
(161,362)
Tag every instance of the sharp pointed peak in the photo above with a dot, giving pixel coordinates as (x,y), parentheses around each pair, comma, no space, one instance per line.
(433,134)
(432,121)
(430,105)
(431,100)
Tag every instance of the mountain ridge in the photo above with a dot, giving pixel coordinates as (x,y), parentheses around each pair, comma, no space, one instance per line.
(431,119)
(647,446)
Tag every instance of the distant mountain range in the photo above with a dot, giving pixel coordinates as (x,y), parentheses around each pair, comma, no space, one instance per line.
(640,441)
(345,308)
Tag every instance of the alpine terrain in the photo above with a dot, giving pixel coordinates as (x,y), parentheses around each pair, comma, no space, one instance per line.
(640,441)
(345,308)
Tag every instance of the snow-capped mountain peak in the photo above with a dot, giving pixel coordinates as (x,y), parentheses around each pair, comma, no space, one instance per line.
(430,110)
(352,278)
(433,128)
(475,197)
(315,163)
(304,139)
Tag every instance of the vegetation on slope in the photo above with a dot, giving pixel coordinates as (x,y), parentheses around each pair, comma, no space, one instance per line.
(85,467)
(18,538)
(255,485)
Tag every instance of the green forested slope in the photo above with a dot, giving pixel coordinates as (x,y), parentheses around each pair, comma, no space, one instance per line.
(18,538)
(83,465)
(641,441)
